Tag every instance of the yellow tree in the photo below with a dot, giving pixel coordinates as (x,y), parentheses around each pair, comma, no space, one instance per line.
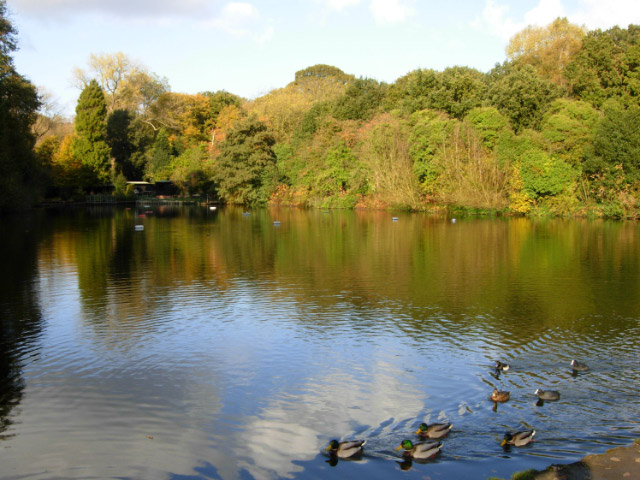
(547,49)
(283,109)
(127,84)
(66,169)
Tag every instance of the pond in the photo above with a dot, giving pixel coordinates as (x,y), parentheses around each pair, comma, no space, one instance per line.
(219,344)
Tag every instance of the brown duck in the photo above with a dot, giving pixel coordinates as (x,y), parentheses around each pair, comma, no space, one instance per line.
(500,396)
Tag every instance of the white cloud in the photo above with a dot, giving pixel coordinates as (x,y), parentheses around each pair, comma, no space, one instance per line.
(144,9)
(598,14)
(494,19)
(384,12)
(242,19)
(544,13)
(390,11)
(339,5)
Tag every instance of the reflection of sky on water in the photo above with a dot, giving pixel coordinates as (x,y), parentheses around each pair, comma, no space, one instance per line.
(296,429)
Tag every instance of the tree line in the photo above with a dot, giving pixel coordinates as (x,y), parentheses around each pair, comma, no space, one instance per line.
(553,130)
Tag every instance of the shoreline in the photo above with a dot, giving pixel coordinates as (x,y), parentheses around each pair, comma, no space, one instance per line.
(617,463)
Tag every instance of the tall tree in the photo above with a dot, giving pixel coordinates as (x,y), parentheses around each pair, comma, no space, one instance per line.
(19,173)
(90,145)
(159,165)
(246,163)
(118,125)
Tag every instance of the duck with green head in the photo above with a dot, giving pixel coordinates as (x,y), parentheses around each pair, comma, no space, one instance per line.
(420,450)
(518,439)
(435,430)
(348,449)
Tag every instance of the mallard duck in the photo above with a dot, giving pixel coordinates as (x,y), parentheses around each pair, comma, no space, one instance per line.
(519,439)
(502,367)
(421,450)
(500,396)
(435,430)
(347,449)
(579,366)
(550,395)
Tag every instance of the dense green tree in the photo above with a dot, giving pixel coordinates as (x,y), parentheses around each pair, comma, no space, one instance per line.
(312,120)
(246,164)
(568,128)
(335,179)
(118,124)
(159,166)
(191,172)
(607,66)
(130,139)
(616,142)
(455,91)
(90,145)
(520,94)
(543,175)
(20,177)
(459,89)
(489,123)
(413,91)
(360,101)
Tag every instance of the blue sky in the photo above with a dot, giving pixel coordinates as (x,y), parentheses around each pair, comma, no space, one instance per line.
(253,46)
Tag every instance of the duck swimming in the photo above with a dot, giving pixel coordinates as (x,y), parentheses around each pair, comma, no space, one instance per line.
(500,396)
(551,395)
(421,450)
(435,430)
(579,366)
(347,449)
(519,439)
(501,367)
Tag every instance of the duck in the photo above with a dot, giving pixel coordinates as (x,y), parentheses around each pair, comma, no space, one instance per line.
(435,430)
(579,366)
(420,450)
(551,395)
(519,439)
(502,367)
(500,396)
(347,449)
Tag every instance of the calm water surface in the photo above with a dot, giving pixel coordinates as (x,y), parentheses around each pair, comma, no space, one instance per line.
(217,345)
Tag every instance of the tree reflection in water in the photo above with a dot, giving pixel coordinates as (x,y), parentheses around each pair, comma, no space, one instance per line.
(20,316)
